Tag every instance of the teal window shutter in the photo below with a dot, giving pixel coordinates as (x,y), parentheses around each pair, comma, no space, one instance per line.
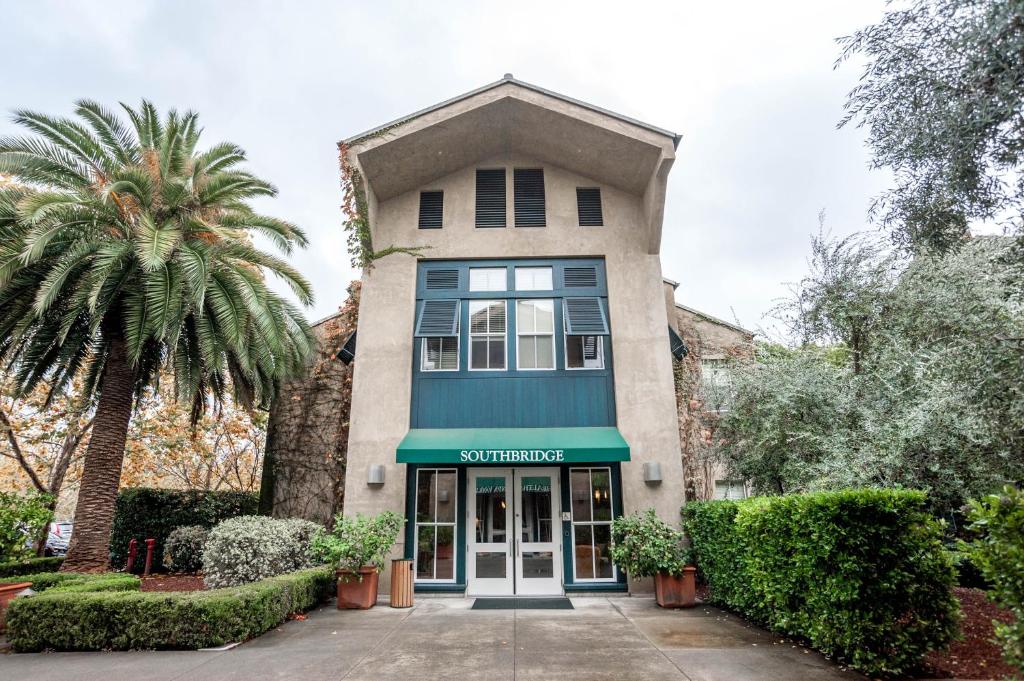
(676,344)
(438,318)
(584,317)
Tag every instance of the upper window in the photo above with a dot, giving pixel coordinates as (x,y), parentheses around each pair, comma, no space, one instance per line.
(490,197)
(487,279)
(529,197)
(716,384)
(730,489)
(440,353)
(588,205)
(533,279)
(584,352)
(486,335)
(431,210)
(535,334)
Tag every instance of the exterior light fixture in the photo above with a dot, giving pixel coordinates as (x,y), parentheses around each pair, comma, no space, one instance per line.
(375,476)
(652,473)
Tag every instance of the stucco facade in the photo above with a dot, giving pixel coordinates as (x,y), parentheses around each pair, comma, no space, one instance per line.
(511,125)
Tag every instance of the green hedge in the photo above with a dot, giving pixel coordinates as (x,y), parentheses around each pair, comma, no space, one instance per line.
(30,566)
(998,552)
(184,621)
(54,582)
(144,513)
(861,574)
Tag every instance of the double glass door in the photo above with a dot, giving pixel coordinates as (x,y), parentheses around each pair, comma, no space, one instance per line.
(514,542)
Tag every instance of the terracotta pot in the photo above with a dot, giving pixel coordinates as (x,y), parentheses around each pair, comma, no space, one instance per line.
(357,590)
(7,593)
(676,591)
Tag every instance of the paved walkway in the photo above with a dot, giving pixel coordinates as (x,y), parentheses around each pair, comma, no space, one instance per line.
(603,638)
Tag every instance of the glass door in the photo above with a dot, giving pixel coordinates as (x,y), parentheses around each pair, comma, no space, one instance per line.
(489,566)
(538,555)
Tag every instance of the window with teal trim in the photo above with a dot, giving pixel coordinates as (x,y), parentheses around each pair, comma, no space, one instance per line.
(436,513)
(590,495)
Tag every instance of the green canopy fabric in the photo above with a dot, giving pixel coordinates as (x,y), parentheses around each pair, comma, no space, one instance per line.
(512,445)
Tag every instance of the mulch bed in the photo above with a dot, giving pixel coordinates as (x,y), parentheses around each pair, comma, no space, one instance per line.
(173,583)
(976,656)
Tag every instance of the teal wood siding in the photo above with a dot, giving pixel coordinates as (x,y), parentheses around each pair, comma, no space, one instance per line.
(512,398)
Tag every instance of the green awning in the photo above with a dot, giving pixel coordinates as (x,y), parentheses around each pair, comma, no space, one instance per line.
(512,446)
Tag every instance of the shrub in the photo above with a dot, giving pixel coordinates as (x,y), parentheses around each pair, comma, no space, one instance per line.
(860,574)
(56,582)
(22,519)
(144,513)
(184,548)
(251,548)
(185,620)
(998,552)
(28,566)
(358,540)
(644,545)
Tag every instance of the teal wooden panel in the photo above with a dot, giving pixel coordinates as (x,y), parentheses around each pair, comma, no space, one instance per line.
(514,402)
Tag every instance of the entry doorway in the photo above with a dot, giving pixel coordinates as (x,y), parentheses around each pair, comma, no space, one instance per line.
(514,522)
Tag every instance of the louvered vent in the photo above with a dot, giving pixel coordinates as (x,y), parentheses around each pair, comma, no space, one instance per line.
(490,197)
(440,280)
(584,316)
(588,205)
(580,277)
(431,210)
(529,197)
(438,318)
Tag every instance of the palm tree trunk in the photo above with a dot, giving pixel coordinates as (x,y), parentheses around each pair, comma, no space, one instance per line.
(101,474)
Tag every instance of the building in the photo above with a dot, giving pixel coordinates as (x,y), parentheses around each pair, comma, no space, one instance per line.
(515,385)
(703,392)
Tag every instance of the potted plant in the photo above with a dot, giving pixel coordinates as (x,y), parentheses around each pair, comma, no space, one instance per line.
(646,546)
(357,548)
(7,594)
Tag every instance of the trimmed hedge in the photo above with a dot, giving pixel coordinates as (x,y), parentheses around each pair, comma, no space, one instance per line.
(54,582)
(144,512)
(860,574)
(30,566)
(184,621)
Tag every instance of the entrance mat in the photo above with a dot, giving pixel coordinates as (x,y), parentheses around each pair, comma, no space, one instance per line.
(522,604)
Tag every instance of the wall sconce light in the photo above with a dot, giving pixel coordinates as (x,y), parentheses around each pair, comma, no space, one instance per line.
(442,496)
(376,475)
(652,473)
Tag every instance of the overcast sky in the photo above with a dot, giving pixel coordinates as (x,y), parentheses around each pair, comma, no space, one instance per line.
(749,85)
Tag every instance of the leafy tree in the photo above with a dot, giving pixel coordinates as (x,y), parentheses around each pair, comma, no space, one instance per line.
(941,96)
(123,250)
(937,405)
(840,300)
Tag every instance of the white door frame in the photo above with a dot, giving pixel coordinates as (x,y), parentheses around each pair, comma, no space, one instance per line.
(525,584)
(514,582)
(489,586)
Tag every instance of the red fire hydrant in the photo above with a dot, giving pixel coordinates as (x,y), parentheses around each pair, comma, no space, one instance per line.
(133,550)
(150,543)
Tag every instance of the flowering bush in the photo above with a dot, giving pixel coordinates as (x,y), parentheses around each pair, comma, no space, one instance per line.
(250,548)
(358,541)
(644,545)
(183,550)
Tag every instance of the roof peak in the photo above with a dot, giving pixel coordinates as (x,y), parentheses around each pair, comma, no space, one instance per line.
(508,78)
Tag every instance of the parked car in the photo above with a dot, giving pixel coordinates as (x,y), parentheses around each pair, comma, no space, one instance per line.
(58,538)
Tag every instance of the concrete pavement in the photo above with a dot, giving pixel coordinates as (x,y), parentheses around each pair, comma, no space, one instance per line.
(441,638)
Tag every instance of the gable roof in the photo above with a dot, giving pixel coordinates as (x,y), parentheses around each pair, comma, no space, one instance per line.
(508,78)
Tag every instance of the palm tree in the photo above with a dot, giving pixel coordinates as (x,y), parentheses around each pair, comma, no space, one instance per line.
(124,250)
